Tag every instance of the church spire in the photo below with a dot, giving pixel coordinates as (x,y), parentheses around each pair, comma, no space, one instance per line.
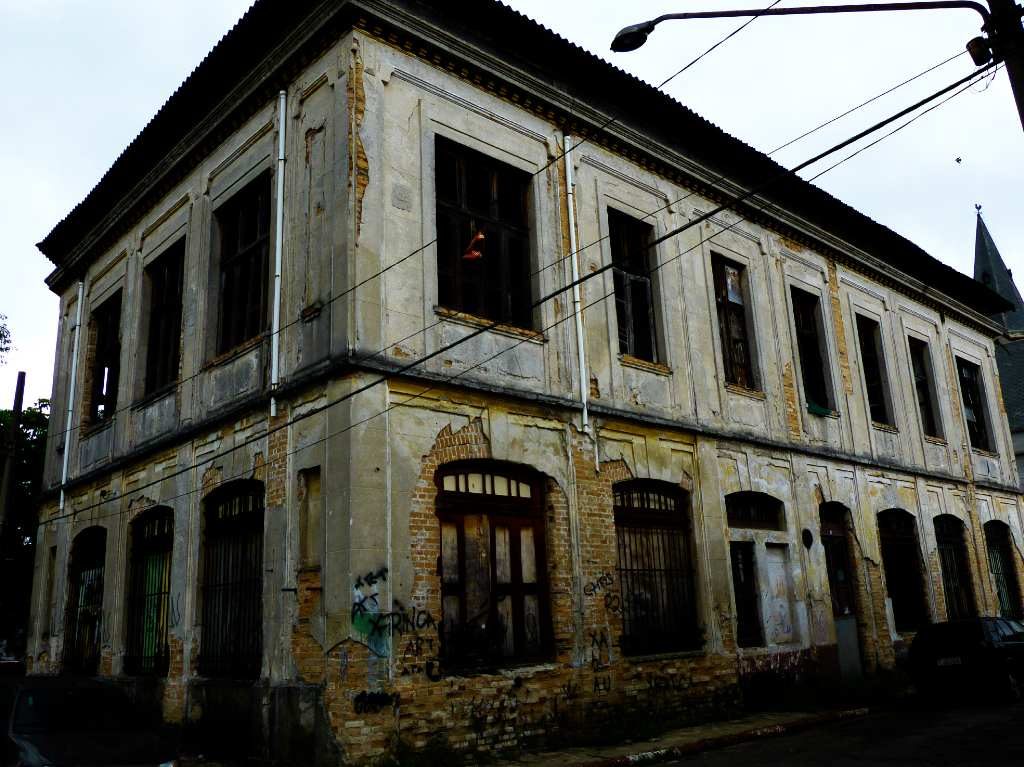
(990,270)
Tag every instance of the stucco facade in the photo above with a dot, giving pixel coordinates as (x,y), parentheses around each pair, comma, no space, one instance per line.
(351,467)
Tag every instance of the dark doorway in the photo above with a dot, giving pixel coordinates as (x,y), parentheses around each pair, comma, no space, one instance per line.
(842,582)
(1000,562)
(901,560)
(744,583)
(956,573)
(85,602)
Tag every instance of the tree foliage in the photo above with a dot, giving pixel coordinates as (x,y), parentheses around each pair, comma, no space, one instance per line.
(5,339)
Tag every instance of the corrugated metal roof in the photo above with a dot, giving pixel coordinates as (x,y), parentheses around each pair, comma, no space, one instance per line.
(538,50)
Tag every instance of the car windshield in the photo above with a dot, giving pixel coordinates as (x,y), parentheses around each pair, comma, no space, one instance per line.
(953,634)
(60,710)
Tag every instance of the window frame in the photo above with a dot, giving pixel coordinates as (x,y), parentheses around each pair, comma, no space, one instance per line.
(925,379)
(141,595)
(82,642)
(105,361)
(629,241)
(812,353)
(982,418)
(879,363)
(164,313)
(493,277)
(955,566)
(733,370)
(451,507)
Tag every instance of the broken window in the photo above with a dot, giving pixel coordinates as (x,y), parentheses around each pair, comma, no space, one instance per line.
(105,366)
(232,612)
(921,362)
(872,359)
(972,396)
(901,560)
(842,580)
(655,566)
(749,632)
(494,608)
(810,347)
(243,226)
(163,340)
(483,236)
(634,299)
(1001,563)
(956,573)
(756,511)
(83,629)
(733,330)
(149,584)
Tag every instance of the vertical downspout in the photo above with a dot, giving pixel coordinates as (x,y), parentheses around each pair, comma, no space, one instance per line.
(581,352)
(71,392)
(275,330)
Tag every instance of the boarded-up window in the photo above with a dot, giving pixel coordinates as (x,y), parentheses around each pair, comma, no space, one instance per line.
(232,627)
(810,347)
(152,540)
(83,630)
(733,321)
(483,236)
(634,298)
(163,339)
(243,226)
(1001,563)
(779,627)
(872,358)
(655,567)
(901,560)
(972,396)
(494,607)
(956,573)
(310,517)
(924,386)
(749,632)
(105,363)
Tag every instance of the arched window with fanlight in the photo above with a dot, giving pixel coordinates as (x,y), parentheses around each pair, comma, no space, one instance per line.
(654,544)
(231,638)
(149,584)
(1001,564)
(494,599)
(84,627)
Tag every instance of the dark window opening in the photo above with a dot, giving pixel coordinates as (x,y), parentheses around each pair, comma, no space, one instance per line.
(975,413)
(494,599)
(483,236)
(749,632)
(956,573)
(901,561)
(754,511)
(243,224)
(920,361)
(163,340)
(731,302)
(842,580)
(1001,563)
(872,359)
(106,360)
(809,341)
(84,625)
(149,584)
(231,636)
(634,297)
(655,568)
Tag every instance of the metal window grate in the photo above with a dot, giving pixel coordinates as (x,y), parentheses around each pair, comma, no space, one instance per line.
(1000,560)
(956,574)
(149,593)
(232,629)
(655,568)
(84,629)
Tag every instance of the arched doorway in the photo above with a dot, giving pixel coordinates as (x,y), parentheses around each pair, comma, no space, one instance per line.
(1001,564)
(842,582)
(901,560)
(956,573)
(84,630)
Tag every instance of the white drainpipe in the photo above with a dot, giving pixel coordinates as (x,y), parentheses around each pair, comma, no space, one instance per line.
(275,330)
(573,256)
(71,392)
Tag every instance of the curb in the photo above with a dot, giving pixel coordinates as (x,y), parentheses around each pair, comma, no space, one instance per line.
(731,739)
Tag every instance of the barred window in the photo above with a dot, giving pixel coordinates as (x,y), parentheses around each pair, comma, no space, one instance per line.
(1001,563)
(243,225)
(972,396)
(104,367)
(483,236)
(654,542)
(901,561)
(634,297)
(733,321)
(83,630)
(754,510)
(494,605)
(163,339)
(149,580)
(232,629)
(956,572)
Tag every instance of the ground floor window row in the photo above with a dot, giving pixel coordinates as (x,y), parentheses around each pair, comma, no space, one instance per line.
(493,573)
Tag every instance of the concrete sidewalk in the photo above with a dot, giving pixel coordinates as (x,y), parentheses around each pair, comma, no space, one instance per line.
(686,740)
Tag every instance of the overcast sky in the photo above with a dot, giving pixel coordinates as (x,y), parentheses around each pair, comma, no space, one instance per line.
(82,78)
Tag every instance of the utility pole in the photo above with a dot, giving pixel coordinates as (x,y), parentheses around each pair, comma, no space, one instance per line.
(11,448)
(1007,39)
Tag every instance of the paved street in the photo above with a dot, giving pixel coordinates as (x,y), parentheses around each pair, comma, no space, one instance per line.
(911,735)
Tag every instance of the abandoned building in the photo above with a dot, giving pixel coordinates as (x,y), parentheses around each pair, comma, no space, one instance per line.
(990,269)
(376,412)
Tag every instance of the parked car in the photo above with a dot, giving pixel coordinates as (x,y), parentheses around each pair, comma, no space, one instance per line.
(983,656)
(61,721)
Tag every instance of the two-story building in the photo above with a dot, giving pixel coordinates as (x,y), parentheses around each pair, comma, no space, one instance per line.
(384,405)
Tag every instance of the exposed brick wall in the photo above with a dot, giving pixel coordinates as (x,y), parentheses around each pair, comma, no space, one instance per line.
(839,324)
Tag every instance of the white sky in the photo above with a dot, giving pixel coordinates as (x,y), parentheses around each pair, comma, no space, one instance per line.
(82,77)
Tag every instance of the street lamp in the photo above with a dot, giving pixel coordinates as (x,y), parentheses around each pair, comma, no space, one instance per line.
(1003,38)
